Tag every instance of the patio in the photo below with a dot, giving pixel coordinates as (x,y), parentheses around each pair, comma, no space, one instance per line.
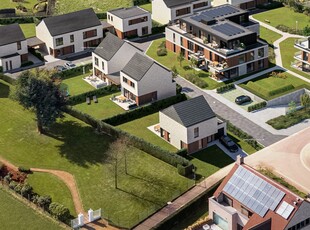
(124,102)
(95,81)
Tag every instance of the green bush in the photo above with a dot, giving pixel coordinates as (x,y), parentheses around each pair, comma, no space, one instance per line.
(144,110)
(26,190)
(102,15)
(140,2)
(182,152)
(185,170)
(281,90)
(26,63)
(24,169)
(1,166)
(8,178)
(161,52)
(196,80)
(290,30)
(75,71)
(225,88)
(42,201)
(1,69)
(60,212)
(19,20)
(13,184)
(18,188)
(157,27)
(7,79)
(257,106)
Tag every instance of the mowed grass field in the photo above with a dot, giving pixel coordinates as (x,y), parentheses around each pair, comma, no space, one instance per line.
(73,146)
(17,215)
(284,16)
(66,6)
(4,4)
(268,35)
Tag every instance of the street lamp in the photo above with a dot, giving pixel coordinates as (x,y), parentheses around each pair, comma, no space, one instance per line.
(296,26)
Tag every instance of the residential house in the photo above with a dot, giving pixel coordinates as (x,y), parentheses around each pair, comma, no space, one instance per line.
(247,199)
(130,22)
(190,124)
(165,11)
(222,39)
(13,47)
(303,55)
(110,57)
(243,4)
(145,81)
(70,33)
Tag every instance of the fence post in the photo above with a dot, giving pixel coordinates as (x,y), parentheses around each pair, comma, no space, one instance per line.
(90,215)
(81,219)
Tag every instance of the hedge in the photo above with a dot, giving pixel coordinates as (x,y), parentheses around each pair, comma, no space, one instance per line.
(60,212)
(281,90)
(196,80)
(75,71)
(102,15)
(225,88)
(7,79)
(144,110)
(270,6)
(73,100)
(155,151)
(19,20)
(24,169)
(257,106)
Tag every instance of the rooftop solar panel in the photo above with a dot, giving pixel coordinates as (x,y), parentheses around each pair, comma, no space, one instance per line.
(285,209)
(253,192)
(228,29)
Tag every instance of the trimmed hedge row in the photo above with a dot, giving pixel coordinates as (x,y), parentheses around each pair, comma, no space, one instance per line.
(75,71)
(257,106)
(73,100)
(144,110)
(7,79)
(225,88)
(281,90)
(196,80)
(155,151)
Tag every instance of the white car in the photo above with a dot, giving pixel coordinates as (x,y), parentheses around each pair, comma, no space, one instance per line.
(69,65)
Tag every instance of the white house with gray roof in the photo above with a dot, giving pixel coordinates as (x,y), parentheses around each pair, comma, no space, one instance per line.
(129,22)
(190,124)
(145,81)
(70,33)
(164,11)
(110,57)
(13,47)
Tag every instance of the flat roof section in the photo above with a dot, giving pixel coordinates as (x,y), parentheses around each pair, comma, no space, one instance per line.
(228,29)
(128,12)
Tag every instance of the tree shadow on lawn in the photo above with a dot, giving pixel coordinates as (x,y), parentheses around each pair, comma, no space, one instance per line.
(4,90)
(80,144)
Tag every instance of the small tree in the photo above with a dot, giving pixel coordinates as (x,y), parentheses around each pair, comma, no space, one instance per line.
(180,58)
(292,106)
(193,63)
(60,212)
(174,71)
(305,101)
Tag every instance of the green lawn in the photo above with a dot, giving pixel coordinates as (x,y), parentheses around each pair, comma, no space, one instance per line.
(10,4)
(268,35)
(17,215)
(284,16)
(209,160)
(76,85)
(263,85)
(147,7)
(48,184)
(139,128)
(105,108)
(287,54)
(73,146)
(171,59)
(66,6)
(29,29)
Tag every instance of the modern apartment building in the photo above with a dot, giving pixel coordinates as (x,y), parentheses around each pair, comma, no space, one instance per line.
(165,11)
(302,57)
(70,33)
(129,22)
(222,39)
(243,4)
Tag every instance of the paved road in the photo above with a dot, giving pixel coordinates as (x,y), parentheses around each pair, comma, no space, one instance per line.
(260,134)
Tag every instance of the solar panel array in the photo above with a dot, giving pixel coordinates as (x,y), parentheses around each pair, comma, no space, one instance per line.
(285,210)
(253,192)
(228,29)
(220,11)
(202,17)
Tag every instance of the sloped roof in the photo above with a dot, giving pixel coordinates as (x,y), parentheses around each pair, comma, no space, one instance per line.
(10,34)
(109,46)
(190,112)
(173,3)
(71,22)
(138,66)
(128,12)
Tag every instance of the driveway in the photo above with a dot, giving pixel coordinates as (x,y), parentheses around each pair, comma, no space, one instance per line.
(232,94)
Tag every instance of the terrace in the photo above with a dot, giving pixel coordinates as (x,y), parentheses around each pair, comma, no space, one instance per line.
(303,43)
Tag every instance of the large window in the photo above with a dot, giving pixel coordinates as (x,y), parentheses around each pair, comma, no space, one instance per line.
(137,20)
(251,56)
(190,45)
(89,34)
(183,11)
(260,64)
(71,38)
(261,52)
(96,61)
(199,5)
(19,46)
(219,221)
(124,79)
(59,41)
(132,84)
(241,59)
(196,132)
(102,63)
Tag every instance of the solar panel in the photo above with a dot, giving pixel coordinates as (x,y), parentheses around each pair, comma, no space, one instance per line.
(228,29)
(254,192)
(220,11)
(285,209)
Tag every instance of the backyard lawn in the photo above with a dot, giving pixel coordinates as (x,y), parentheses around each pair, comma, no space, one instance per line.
(29,29)
(48,184)
(73,146)
(76,85)
(265,86)
(105,108)
(147,7)
(284,16)
(268,35)
(287,53)
(17,215)
(146,134)
(171,59)
(66,6)
(4,4)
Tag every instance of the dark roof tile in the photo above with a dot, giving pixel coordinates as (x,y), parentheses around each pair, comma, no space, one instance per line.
(10,34)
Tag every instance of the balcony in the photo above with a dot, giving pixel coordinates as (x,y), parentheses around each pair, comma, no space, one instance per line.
(303,43)
(299,56)
(219,66)
(198,56)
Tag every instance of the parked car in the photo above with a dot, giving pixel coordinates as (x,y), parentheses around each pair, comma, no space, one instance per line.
(59,68)
(132,106)
(229,144)
(69,65)
(242,99)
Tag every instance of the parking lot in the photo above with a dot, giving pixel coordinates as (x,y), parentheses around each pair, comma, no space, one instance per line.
(232,94)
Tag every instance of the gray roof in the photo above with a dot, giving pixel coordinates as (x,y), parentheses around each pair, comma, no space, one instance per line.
(109,46)
(138,66)
(10,34)
(71,22)
(190,112)
(128,12)
(173,3)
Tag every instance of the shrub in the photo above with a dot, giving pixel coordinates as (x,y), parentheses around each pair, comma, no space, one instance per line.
(157,27)
(18,188)
(102,15)
(59,211)
(185,170)
(140,2)
(26,190)
(36,53)
(26,63)
(281,90)
(182,152)
(257,106)
(7,79)
(1,166)
(13,184)
(196,80)
(161,52)
(8,178)
(225,88)
(24,169)
(42,201)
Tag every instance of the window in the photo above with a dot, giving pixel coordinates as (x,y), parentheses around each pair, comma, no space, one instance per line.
(19,46)
(261,52)
(89,34)
(102,63)
(109,16)
(218,220)
(112,18)
(251,56)
(137,20)
(132,84)
(124,79)
(260,64)
(250,67)
(181,41)
(173,37)
(71,38)
(96,61)
(196,132)
(199,5)
(183,11)
(190,45)
(59,41)
(241,59)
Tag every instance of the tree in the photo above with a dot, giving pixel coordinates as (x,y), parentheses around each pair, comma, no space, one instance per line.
(292,106)
(174,71)
(193,63)
(180,58)
(305,100)
(37,92)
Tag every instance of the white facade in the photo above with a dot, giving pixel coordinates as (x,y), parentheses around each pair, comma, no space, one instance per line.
(43,34)
(230,2)
(163,14)
(122,24)
(180,133)
(12,62)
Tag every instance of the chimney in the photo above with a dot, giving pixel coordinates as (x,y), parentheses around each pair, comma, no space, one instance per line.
(240,160)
